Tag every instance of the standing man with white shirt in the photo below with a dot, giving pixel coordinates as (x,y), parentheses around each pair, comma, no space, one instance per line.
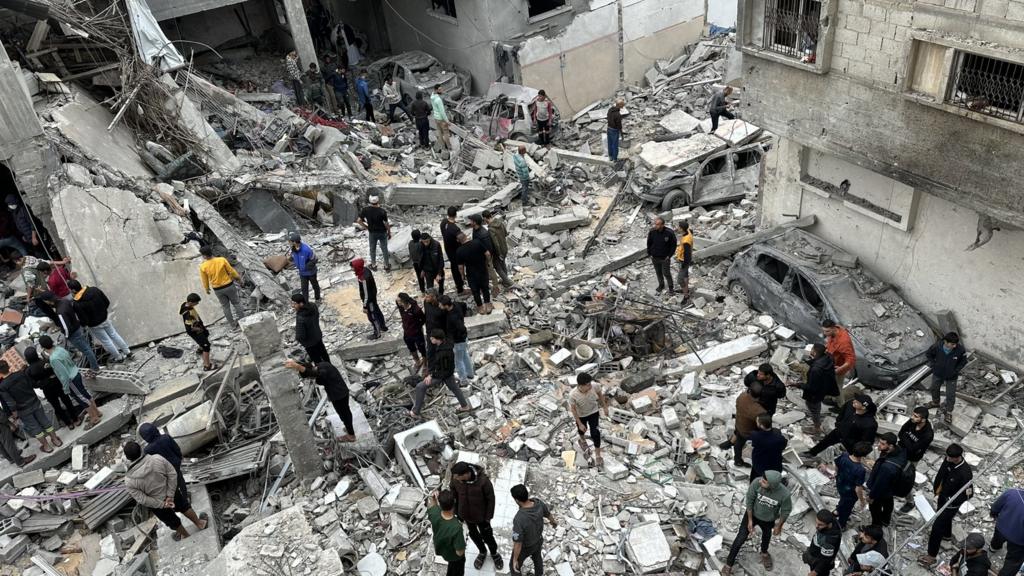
(441,116)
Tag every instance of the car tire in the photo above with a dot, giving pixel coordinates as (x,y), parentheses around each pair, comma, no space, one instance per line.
(518,136)
(676,198)
(738,292)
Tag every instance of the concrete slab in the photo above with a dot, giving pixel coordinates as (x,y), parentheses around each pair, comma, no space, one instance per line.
(84,121)
(118,382)
(263,209)
(734,132)
(169,390)
(678,121)
(433,194)
(479,326)
(575,219)
(724,354)
(115,415)
(677,153)
(191,554)
(573,156)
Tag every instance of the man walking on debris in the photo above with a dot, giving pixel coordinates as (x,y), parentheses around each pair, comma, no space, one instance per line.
(326,375)
(821,555)
(971,559)
(70,378)
(307,329)
(166,447)
(393,99)
(363,95)
(499,240)
(217,273)
(747,410)
(528,531)
(39,371)
(449,542)
(1008,512)
(946,359)
(291,66)
(915,437)
(196,329)
(67,321)
(305,262)
(436,319)
(368,295)
(684,257)
(954,474)
(885,474)
(523,173)
(455,330)
(767,445)
(856,423)
(615,129)
(442,371)
(420,111)
(9,442)
(839,345)
(661,245)
(472,261)
(441,117)
(416,257)
(586,402)
(850,477)
(450,236)
(18,399)
(374,220)
(153,482)
(542,110)
(481,233)
(720,107)
(91,306)
(412,329)
(820,382)
(474,505)
(772,389)
(431,263)
(768,504)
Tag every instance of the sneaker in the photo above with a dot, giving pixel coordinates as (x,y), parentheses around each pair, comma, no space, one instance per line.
(741,464)
(659,289)
(766,559)
(806,455)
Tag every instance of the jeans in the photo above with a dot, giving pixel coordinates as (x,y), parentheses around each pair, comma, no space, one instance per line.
(1014,554)
(845,508)
(613,144)
(300,92)
(942,527)
(13,242)
(483,536)
(391,111)
(368,107)
(344,106)
(743,533)
(663,270)
(376,318)
(228,298)
(536,554)
(345,413)
(318,353)
(380,238)
(423,128)
(463,363)
(421,392)
(79,340)
(111,341)
(814,409)
(524,190)
(543,132)
(591,422)
(881,511)
(35,420)
(305,282)
(950,391)
(714,118)
(480,286)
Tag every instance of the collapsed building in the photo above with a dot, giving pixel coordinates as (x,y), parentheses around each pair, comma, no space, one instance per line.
(129,187)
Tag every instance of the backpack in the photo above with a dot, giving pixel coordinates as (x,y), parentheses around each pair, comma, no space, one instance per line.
(904,483)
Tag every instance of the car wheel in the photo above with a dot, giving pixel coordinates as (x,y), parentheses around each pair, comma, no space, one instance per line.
(518,137)
(739,292)
(677,198)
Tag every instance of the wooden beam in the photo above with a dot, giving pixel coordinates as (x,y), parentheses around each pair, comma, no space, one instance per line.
(90,73)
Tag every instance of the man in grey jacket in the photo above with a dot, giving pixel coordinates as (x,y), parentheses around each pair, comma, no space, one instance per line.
(153,482)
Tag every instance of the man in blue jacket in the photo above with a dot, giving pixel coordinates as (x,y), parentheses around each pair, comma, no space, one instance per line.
(947,358)
(1008,510)
(884,474)
(305,262)
(363,93)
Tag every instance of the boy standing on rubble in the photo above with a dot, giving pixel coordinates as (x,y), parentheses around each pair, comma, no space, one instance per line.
(661,245)
(684,257)
(586,402)
(217,273)
(768,504)
(528,530)
(474,505)
(153,482)
(66,370)
(368,295)
(305,262)
(449,542)
(195,328)
(374,220)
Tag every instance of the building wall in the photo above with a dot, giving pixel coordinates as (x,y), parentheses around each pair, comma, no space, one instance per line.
(956,165)
(219,25)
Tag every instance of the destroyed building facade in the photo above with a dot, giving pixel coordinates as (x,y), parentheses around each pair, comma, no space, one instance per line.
(900,127)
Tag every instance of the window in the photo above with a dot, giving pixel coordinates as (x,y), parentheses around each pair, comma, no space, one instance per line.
(444,7)
(805,290)
(714,166)
(747,159)
(772,267)
(988,85)
(538,7)
(791,28)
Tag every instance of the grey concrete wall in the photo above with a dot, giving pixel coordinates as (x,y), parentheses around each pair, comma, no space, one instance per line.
(220,25)
(166,9)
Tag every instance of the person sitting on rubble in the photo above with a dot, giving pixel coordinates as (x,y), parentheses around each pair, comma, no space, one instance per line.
(767,445)
(472,261)
(307,328)
(416,258)
(412,329)
(9,437)
(455,329)
(870,539)
(821,555)
(474,505)
(196,329)
(67,411)
(442,371)
(768,504)
(915,436)
(305,261)
(499,239)
(18,399)
(393,99)
(314,86)
(946,359)
(431,263)
(70,378)
(850,477)
(420,111)
(152,481)
(68,323)
(885,474)
(819,383)
(772,388)
(291,66)
(368,295)
(684,258)
(586,402)
(856,423)
(27,233)
(748,408)
(326,375)
(449,541)
(217,273)
(92,306)
(166,447)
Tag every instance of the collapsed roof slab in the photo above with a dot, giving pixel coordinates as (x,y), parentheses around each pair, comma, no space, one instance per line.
(735,132)
(678,121)
(84,122)
(479,326)
(724,354)
(572,156)
(433,194)
(677,153)
(182,557)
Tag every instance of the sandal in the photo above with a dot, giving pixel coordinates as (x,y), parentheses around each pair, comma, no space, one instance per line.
(766,559)
(209,368)
(57,442)
(90,424)
(205,518)
(177,537)
(479,562)
(46,450)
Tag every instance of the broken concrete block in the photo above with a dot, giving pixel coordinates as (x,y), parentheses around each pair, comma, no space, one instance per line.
(578,217)
(99,478)
(614,469)
(375,483)
(30,478)
(677,153)
(725,353)
(269,216)
(678,121)
(670,417)
(14,549)
(434,194)
(648,547)
(367,507)
(560,356)
(843,259)
(571,156)
(260,330)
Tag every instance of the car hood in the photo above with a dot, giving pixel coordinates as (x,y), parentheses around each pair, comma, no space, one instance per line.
(900,336)
(427,79)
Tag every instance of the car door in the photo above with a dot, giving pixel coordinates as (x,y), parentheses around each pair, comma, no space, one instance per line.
(768,276)
(714,181)
(803,306)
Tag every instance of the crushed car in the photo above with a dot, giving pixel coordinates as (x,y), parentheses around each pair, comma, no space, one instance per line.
(723,177)
(801,280)
(505,112)
(417,71)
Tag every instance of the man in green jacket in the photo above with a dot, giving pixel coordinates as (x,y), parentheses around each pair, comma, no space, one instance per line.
(70,378)
(768,506)
(499,239)
(449,542)
(523,172)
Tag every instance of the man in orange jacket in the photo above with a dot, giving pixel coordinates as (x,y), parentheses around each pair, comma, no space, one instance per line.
(839,345)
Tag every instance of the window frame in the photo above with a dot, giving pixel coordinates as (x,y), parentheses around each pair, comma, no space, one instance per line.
(765,255)
(440,9)
(748,27)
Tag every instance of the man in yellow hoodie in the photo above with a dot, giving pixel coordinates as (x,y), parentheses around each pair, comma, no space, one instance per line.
(684,257)
(216,272)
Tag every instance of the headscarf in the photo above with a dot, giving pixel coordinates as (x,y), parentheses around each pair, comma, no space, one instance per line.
(359,266)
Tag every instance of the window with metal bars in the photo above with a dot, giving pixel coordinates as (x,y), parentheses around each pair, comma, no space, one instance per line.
(791,27)
(444,7)
(988,85)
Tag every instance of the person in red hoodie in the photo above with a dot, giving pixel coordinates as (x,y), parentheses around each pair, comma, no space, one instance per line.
(839,346)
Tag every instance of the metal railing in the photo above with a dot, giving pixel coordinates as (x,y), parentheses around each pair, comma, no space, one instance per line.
(989,86)
(791,27)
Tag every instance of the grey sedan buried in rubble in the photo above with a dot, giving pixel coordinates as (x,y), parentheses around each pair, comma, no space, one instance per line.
(722,177)
(801,280)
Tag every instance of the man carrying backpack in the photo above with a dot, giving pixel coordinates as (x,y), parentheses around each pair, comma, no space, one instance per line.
(954,474)
(885,475)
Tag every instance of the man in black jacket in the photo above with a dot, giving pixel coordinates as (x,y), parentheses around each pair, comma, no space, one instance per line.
(821,382)
(431,263)
(661,246)
(884,474)
(91,305)
(368,295)
(474,505)
(915,437)
(971,559)
(442,370)
(481,233)
(307,328)
(450,237)
(472,258)
(18,399)
(455,330)
(767,445)
(947,358)
(416,257)
(870,538)
(71,327)
(772,389)
(326,375)
(436,318)
(954,474)
(821,555)
(856,423)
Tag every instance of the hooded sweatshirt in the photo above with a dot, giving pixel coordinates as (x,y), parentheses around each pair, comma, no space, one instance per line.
(769,504)
(412,320)
(853,427)
(821,379)
(885,472)
(1008,510)
(151,481)
(91,305)
(307,325)
(474,498)
(163,445)
(914,441)
(824,548)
